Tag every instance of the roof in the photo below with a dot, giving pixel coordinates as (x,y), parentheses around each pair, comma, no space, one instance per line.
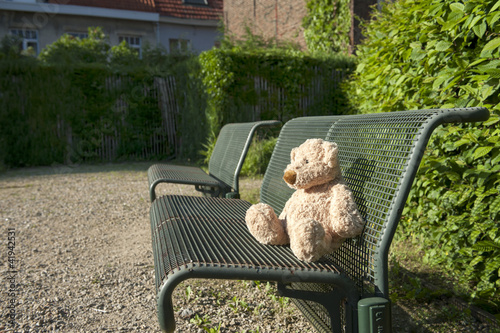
(171,8)
(176,8)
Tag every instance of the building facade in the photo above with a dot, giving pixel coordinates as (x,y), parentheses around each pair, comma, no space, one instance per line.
(177,25)
(282,19)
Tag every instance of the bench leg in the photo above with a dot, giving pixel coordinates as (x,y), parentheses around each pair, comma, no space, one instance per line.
(165,307)
(332,301)
(374,315)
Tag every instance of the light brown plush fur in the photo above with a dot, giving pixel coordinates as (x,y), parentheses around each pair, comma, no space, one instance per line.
(319,215)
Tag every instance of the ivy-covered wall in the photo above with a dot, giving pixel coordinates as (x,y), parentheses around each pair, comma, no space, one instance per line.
(63,114)
(247,85)
(80,93)
(443,54)
(327,26)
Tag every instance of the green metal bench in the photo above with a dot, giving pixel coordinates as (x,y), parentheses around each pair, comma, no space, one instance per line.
(346,291)
(223,168)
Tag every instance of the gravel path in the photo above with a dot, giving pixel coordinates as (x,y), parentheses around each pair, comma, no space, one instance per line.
(80,260)
(75,256)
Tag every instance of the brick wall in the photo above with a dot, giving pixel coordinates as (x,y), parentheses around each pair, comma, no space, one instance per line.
(280,19)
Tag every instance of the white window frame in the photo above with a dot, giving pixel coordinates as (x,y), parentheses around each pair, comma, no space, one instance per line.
(134,42)
(29,37)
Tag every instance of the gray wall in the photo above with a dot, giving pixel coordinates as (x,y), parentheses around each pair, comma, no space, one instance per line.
(51,26)
(202,37)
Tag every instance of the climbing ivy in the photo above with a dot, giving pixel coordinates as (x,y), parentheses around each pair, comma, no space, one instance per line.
(443,54)
(229,77)
(327,25)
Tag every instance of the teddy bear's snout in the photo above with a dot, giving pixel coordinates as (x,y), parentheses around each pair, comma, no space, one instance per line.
(290,177)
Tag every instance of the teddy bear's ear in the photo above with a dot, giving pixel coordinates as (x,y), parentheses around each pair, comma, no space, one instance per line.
(331,150)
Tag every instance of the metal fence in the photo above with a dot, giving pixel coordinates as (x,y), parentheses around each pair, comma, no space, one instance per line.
(108,140)
(164,140)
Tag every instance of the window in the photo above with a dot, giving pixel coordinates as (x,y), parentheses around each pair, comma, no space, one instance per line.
(195,2)
(29,39)
(80,35)
(179,45)
(133,42)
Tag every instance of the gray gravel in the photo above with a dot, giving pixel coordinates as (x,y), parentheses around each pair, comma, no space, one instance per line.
(82,260)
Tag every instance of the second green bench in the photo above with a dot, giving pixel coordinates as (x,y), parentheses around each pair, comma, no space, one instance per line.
(223,169)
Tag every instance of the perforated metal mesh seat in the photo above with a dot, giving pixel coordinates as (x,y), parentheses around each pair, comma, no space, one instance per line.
(379,155)
(224,166)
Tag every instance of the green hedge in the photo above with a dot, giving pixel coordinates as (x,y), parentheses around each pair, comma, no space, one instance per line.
(59,114)
(229,77)
(436,54)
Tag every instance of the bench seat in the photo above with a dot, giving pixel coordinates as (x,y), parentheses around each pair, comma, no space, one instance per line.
(207,236)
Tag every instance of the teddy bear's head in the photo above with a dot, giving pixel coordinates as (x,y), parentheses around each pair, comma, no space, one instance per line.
(312,163)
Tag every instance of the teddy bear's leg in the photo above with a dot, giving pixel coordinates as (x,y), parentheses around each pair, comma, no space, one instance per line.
(308,240)
(332,242)
(265,226)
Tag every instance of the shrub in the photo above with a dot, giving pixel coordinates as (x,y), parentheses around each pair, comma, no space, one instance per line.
(258,157)
(270,83)
(70,50)
(440,54)
(327,26)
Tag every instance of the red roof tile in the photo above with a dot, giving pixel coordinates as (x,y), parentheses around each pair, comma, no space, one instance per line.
(171,8)
(176,8)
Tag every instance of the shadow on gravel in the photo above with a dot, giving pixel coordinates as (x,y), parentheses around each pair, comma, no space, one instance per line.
(421,304)
(60,169)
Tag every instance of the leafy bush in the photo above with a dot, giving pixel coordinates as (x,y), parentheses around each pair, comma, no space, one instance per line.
(285,75)
(256,79)
(258,157)
(60,114)
(433,54)
(73,50)
(327,25)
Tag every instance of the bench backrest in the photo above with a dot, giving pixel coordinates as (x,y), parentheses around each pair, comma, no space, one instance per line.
(379,156)
(231,149)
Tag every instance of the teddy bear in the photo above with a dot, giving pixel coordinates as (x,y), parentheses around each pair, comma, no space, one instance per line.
(319,215)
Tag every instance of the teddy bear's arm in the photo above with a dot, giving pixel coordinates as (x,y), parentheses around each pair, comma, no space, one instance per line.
(346,219)
(285,209)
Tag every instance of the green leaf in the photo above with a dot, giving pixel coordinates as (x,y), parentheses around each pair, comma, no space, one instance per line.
(481,151)
(491,121)
(493,18)
(474,21)
(479,30)
(495,206)
(489,65)
(476,261)
(495,6)
(457,7)
(443,46)
(462,142)
(490,46)
(493,72)
(453,176)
